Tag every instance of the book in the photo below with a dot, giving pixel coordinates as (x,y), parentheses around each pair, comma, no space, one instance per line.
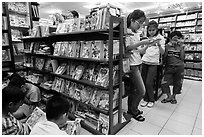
(57,48)
(105,50)
(82,24)
(66,87)
(48,65)
(61,69)
(95,98)
(97,49)
(39,63)
(86,94)
(96,73)
(63,49)
(6,56)
(70,52)
(36,116)
(85,49)
(72,68)
(103,77)
(57,84)
(103,124)
(72,88)
(78,90)
(78,72)
(104,101)
(77,49)
(88,72)
(72,127)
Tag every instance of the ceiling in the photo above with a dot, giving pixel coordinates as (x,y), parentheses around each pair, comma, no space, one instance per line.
(151,8)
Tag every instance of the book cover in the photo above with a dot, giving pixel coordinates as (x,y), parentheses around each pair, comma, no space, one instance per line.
(57,48)
(61,69)
(78,90)
(70,49)
(6,56)
(82,24)
(72,88)
(62,86)
(77,49)
(96,73)
(95,98)
(66,87)
(64,47)
(78,72)
(36,116)
(103,124)
(48,65)
(105,50)
(103,77)
(86,94)
(97,50)
(39,63)
(72,68)
(72,127)
(104,101)
(88,72)
(86,49)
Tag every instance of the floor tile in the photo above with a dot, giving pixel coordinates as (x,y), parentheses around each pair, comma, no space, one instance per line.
(165,131)
(186,111)
(197,131)
(198,123)
(185,119)
(146,128)
(178,127)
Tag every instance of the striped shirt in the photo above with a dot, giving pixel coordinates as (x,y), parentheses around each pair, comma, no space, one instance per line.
(11,126)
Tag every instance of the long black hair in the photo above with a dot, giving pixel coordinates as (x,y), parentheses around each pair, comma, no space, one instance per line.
(135,15)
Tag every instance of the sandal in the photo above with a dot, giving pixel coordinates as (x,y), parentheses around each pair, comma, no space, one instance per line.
(173,101)
(139,117)
(140,112)
(166,100)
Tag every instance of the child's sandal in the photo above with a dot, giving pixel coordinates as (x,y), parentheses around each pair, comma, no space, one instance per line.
(173,101)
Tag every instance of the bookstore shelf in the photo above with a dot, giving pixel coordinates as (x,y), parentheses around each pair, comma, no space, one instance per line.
(82,59)
(189,24)
(103,34)
(18,13)
(189,60)
(193,68)
(19,28)
(193,51)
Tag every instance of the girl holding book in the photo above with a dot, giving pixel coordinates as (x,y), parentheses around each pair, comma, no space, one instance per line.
(134,22)
(151,60)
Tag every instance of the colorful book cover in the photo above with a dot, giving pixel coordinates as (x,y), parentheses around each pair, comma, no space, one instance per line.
(61,69)
(103,77)
(72,127)
(82,24)
(86,49)
(86,94)
(77,49)
(36,116)
(57,48)
(66,87)
(96,73)
(103,124)
(105,50)
(6,55)
(88,72)
(72,68)
(97,49)
(39,63)
(104,101)
(78,90)
(78,72)
(95,98)
(72,88)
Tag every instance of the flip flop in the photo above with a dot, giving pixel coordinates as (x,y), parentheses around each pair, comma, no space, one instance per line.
(165,100)
(173,101)
(139,118)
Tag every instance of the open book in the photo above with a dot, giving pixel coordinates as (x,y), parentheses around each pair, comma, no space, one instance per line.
(71,127)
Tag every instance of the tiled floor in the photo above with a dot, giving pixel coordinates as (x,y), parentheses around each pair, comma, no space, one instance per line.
(183,118)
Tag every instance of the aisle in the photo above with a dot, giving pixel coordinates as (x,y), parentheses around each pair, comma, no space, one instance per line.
(184,118)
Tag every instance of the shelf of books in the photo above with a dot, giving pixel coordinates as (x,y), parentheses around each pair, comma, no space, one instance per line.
(83,64)
(190,24)
(7,50)
(18,26)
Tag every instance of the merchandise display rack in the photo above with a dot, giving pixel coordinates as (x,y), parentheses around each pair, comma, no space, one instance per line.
(190,24)
(105,34)
(8,64)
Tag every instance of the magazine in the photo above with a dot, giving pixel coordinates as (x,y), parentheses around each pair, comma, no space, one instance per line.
(103,76)
(103,123)
(61,69)
(72,127)
(36,116)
